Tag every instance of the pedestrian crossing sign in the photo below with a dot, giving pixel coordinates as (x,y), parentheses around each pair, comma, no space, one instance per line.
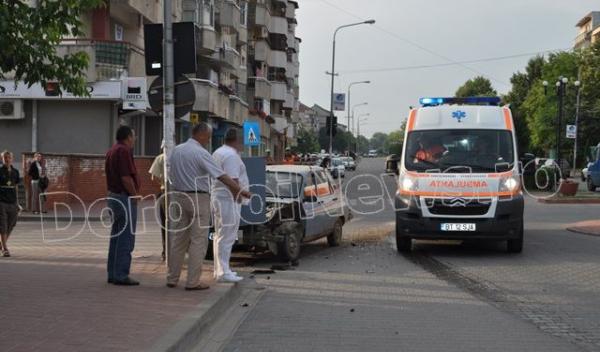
(251,133)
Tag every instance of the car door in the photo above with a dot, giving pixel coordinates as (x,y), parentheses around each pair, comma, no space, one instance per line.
(315,202)
(594,168)
(329,198)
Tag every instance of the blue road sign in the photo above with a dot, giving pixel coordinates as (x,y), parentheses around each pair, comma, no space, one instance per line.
(251,133)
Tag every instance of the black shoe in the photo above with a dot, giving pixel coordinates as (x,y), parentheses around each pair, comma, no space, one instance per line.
(110,281)
(171,285)
(126,282)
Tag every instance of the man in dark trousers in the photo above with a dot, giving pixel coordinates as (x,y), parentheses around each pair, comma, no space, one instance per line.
(123,186)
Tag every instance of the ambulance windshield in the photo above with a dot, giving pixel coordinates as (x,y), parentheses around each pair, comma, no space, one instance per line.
(459,151)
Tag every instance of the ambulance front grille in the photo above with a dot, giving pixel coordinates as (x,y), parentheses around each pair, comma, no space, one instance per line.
(458,206)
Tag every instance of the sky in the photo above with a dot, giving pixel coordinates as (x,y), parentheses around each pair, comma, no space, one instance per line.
(411,33)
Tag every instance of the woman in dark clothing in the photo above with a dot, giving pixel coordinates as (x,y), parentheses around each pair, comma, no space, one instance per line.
(37,172)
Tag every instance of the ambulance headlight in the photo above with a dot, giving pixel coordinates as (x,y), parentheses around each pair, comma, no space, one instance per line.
(510,184)
(407,184)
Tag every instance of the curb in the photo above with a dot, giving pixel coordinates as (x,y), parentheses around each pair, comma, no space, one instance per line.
(584,232)
(570,201)
(58,219)
(185,334)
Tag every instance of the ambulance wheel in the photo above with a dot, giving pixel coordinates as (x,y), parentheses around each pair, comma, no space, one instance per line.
(335,238)
(289,248)
(516,245)
(590,185)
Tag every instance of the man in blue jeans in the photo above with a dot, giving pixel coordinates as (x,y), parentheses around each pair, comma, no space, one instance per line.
(123,186)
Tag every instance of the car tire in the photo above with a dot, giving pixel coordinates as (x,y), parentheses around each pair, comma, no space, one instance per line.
(516,245)
(289,248)
(590,185)
(335,238)
(403,244)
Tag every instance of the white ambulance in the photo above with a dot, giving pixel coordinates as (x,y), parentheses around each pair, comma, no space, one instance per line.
(459,174)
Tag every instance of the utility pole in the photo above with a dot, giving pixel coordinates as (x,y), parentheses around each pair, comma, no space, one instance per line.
(169,103)
(578,85)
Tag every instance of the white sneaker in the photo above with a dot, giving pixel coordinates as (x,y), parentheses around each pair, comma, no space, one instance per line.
(230,277)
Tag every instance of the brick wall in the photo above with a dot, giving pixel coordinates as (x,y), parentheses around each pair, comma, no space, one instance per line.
(83,175)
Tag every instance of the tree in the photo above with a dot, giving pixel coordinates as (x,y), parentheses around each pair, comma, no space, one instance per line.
(29,39)
(522,83)
(363,144)
(476,87)
(378,141)
(541,105)
(307,142)
(340,140)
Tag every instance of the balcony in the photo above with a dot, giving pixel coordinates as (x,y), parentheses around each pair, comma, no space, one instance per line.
(260,50)
(290,11)
(146,8)
(242,36)
(230,58)
(278,90)
(289,101)
(108,59)
(228,15)
(259,87)
(206,40)
(278,25)
(259,15)
(280,124)
(209,99)
(583,40)
(238,110)
(278,59)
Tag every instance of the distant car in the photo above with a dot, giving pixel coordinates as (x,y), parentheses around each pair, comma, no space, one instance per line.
(593,170)
(349,163)
(337,168)
(372,154)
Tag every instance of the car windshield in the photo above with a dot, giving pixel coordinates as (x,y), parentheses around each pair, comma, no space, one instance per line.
(336,162)
(459,151)
(283,184)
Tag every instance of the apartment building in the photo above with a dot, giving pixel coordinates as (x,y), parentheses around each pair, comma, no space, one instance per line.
(589,30)
(247,56)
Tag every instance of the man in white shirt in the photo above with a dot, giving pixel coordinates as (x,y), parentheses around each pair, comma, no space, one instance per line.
(226,209)
(191,167)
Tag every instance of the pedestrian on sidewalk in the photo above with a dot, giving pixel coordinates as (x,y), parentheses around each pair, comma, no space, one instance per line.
(191,167)
(123,187)
(39,183)
(226,209)
(157,172)
(9,206)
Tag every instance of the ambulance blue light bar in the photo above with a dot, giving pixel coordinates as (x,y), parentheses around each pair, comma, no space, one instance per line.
(494,101)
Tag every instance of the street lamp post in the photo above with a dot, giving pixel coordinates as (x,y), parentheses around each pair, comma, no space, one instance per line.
(349,87)
(578,86)
(561,89)
(354,123)
(358,129)
(333,77)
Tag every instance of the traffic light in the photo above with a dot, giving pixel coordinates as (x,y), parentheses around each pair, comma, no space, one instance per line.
(332,125)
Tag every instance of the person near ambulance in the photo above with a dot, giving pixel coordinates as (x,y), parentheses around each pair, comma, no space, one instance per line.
(226,209)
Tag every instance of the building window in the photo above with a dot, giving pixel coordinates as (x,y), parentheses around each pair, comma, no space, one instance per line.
(208,13)
(244,13)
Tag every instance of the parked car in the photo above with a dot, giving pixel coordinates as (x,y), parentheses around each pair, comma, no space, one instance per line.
(593,170)
(337,168)
(303,204)
(349,163)
(391,164)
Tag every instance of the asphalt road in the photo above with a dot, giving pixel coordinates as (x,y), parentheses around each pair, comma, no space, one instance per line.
(364,296)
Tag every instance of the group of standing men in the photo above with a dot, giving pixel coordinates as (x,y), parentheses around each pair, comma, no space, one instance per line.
(201,186)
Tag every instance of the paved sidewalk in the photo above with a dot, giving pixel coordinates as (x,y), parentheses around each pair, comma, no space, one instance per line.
(591,227)
(54,295)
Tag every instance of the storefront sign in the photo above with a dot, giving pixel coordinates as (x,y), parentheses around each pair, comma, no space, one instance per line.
(104,90)
(135,95)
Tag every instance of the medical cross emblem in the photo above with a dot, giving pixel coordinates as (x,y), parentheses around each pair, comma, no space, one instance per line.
(459,115)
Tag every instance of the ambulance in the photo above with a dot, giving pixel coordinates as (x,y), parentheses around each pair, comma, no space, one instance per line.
(459,174)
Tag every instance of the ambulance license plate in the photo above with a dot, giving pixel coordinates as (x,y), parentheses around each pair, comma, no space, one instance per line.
(458,227)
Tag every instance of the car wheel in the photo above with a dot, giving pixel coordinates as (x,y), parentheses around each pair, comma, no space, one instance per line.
(516,245)
(289,248)
(590,185)
(335,238)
